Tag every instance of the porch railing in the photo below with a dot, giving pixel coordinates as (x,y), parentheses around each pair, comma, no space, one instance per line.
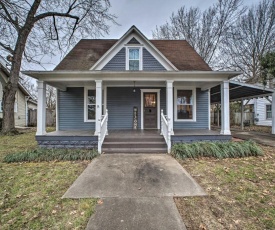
(103,130)
(165,130)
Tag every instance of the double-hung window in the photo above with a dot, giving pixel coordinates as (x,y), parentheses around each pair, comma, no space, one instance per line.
(268,112)
(185,105)
(134,58)
(90,104)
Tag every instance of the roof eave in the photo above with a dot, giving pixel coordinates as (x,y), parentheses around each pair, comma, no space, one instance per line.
(42,75)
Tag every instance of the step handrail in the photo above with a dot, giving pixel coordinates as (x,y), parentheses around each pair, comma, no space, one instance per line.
(165,130)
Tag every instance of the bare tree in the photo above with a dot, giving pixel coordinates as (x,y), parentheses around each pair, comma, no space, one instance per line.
(249,39)
(31,29)
(203,30)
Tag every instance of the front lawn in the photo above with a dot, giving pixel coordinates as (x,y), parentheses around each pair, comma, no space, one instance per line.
(241,193)
(30,194)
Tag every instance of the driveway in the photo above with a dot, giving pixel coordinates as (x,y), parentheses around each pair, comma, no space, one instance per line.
(261,138)
(137,191)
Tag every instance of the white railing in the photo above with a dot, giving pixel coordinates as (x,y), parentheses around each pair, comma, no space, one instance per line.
(103,130)
(166,130)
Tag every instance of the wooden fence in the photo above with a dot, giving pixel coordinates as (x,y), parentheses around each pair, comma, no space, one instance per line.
(235,118)
(32,117)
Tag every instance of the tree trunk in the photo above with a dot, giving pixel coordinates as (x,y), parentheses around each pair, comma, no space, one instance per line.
(8,125)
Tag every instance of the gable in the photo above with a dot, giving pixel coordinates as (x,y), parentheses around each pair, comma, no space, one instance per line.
(133,39)
(88,53)
(118,62)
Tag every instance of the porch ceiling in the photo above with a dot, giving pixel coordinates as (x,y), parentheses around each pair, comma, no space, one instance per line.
(238,91)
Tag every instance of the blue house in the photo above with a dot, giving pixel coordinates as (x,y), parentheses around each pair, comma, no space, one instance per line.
(145,91)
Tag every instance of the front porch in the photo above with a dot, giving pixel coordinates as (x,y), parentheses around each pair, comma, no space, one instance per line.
(130,141)
(175,104)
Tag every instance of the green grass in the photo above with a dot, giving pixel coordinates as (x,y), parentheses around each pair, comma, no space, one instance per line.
(40,154)
(216,149)
(241,193)
(30,194)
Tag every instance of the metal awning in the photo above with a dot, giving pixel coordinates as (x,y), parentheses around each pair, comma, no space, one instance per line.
(238,91)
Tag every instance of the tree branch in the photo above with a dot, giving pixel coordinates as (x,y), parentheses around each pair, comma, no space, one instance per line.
(52,14)
(8,48)
(13,21)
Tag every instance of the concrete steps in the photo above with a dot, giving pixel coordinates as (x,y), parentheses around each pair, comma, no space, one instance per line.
(136,144)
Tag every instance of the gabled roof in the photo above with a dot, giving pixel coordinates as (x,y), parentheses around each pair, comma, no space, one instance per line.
(88,52)
(4,68)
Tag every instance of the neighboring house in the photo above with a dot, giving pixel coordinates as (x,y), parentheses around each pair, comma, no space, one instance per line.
(134,79)
(23,99)
(262,110)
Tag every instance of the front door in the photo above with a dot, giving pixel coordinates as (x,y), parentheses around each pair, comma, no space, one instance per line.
(150,110)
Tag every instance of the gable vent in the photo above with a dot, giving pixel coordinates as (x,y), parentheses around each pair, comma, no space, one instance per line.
(133,41)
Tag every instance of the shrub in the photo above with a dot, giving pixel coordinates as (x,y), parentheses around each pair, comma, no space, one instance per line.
(40,154)
(216,149)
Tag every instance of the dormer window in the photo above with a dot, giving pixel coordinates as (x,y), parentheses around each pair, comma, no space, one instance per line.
(133,59)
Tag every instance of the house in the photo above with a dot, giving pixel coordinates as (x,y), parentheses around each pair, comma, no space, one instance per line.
(134,85)
(23,99)
(262,108)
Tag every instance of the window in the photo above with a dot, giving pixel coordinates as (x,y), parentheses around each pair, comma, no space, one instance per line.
(134,59)
(1,107)
(185,105)
(268,112)
(90,104)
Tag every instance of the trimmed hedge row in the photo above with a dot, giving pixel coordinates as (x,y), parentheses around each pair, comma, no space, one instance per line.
(216,149)
(40,154)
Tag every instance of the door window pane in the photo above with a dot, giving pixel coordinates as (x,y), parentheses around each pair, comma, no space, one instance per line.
(150,100)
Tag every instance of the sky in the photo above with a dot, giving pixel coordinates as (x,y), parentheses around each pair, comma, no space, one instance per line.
(146,14)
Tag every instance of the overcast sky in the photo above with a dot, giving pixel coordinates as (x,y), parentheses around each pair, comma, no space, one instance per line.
(146,14)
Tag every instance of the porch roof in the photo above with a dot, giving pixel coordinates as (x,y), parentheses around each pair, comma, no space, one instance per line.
(238,91)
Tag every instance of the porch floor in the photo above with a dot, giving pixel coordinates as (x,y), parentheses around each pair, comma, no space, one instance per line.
(71,133)
(135,133)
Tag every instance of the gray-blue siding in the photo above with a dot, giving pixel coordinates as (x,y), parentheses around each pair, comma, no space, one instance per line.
(150,63)
(118,62)
(120,103)
(71,110)
(202,111)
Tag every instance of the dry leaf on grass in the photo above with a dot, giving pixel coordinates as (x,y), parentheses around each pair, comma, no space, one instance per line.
(100,201)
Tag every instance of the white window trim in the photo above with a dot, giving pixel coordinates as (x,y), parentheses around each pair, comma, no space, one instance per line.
(85,103)
(140,56)
(142,109)
(194,104)
(266,112)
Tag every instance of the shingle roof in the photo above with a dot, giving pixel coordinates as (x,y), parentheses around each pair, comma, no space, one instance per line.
(88,51)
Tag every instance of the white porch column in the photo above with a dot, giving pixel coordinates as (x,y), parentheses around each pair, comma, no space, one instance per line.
(41,108)
(225,125)
(169,104)
(57,110)
(273,113)
(98,115)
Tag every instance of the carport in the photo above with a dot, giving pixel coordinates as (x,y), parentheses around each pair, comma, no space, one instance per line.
(242,91)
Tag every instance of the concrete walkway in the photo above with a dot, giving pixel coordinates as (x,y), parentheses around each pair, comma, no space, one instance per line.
(137,191)
(261,138)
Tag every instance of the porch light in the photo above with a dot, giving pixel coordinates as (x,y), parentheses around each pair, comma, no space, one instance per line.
(134,89)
